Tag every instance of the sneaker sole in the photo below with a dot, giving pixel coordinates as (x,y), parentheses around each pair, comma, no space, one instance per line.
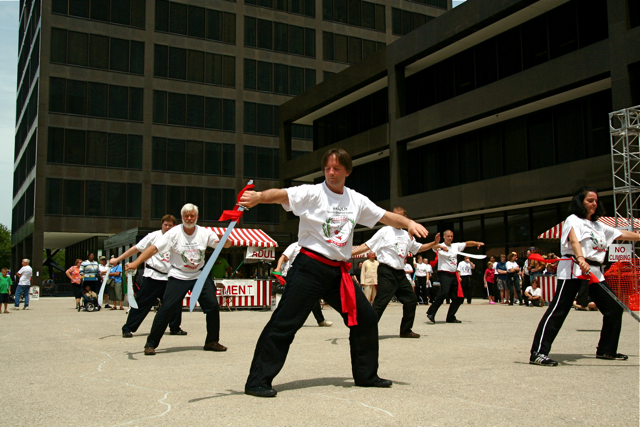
(543,364)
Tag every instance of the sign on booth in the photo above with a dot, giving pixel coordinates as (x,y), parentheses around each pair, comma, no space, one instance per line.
(620,252)
(267,254)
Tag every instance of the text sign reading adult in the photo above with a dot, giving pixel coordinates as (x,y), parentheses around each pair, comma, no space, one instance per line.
(261,253)
(619,252)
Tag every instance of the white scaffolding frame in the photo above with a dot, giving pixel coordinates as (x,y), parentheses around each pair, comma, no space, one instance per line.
(624,129)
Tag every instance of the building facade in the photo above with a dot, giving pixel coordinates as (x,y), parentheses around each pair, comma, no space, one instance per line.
(127,109)
(484,121)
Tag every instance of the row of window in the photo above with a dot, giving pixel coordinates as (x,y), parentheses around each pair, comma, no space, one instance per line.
(567,132)
(93,148)
(25,81)
(194,66)
(261,119)
(300,7)
(95,99)
(95,51)
(194,111)
(93,198)
(340,48)
(194,21)
(27,32)
(23,210)
(360,116)
(28,117)
(277,78)
(404,21)
(301,132)
(123,12)
(355,12)
(560,31)
(169,199)
(435,3)
(261,162)
(26,164)
(195,157)
(279,37)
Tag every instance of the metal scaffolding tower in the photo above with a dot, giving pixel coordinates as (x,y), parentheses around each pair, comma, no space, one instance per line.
(624,129)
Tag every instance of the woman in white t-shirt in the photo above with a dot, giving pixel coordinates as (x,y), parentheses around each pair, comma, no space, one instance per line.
(584,245)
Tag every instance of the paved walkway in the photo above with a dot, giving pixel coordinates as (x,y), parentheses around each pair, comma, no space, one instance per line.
(64,368)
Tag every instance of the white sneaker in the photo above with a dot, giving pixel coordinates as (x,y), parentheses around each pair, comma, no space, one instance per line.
(515,301)
(325,323)
(26,308)
(15,308)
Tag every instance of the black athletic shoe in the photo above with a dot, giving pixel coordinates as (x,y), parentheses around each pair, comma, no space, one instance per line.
(178,332)
(260,391)
(379,383)
(431,318)
(541,359)
(618,356)
(127,334)
(454,321)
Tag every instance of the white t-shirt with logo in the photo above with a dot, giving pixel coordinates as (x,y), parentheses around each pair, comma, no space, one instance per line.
(186,252)
(391,246)
(448,261)
(422,269)
(534,293)
(464,268)
(103,269)
(409,272)
(159,262)
(327,219)
(291,253)
(25,278)
(510,265)
(594,237)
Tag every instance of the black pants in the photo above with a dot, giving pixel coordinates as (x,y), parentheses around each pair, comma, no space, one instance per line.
(308,281)
(448,289)
(317,312)
(466,288)
(422,293)
(561,305)
(513,283)
(147,296)
(172,301)
(394,282)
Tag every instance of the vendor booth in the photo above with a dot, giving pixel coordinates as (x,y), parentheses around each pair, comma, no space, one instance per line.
(254,290)
(548,282)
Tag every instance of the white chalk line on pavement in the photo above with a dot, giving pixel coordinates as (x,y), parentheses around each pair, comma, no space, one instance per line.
(152,416)
(359,403)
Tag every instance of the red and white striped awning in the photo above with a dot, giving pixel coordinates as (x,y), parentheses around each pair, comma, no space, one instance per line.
(555,233)
(248,237)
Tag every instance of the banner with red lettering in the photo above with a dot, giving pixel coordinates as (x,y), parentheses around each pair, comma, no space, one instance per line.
(255,253)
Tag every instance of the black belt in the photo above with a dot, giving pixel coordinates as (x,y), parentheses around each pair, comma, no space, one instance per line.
(156,270)
(590,262)
(446,272)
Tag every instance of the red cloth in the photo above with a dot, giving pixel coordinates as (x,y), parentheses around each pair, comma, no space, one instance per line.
(460,293)
(434,262)
(591,277)
(279,277)
(235,214)
(347,291)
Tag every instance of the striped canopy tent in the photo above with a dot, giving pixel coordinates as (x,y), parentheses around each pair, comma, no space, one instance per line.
(555,233)
(247,237)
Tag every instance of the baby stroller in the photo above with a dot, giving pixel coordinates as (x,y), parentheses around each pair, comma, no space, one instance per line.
(89,303)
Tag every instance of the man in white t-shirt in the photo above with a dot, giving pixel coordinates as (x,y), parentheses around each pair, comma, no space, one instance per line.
(408,271)
(186,245)
(447,275)
(392,245)
(464,269)
(328,214)
(422,277)
(24,283)
(155,277)
(284,264)
(534,294)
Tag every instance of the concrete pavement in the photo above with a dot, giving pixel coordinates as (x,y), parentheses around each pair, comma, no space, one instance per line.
(64,368)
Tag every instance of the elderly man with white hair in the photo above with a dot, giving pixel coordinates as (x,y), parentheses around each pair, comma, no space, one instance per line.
(186,245)
(23,284)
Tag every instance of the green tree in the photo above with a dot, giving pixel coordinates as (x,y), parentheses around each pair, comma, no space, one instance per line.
(5,246)
(59,260)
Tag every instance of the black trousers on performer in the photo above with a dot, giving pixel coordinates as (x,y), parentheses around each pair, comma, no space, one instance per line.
(394,282)
(422,293)
(172,301)
(561,305)
(317,312)
(308,281)
(466,288)
(147,296)
(448,289)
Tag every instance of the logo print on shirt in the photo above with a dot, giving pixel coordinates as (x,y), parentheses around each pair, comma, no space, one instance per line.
(192,258)
(337,230)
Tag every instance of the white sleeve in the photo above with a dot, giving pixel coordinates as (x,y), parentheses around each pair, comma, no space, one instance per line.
(461,246)
(413,246)
(165,242)
(290,249)
(429,269)
(300,198)
(610,233)
(572,222)
(145,242)
(212,238)
(460,266)
(378,240)
(370,213)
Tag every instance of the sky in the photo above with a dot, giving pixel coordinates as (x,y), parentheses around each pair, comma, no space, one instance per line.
(8,65)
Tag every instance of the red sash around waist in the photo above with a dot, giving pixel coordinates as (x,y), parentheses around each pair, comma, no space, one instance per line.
(347,291)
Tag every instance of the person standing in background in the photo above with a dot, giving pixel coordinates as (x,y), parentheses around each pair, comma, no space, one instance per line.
(73,273)
(24,284)
(369,277)
(464,269)
(5,290)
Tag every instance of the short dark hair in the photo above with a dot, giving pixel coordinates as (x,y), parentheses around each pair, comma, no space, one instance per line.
(400,209)
(343,158)
(169,218)
(576,207)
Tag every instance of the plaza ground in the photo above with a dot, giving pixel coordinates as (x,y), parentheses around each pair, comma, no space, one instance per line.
(64,368)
